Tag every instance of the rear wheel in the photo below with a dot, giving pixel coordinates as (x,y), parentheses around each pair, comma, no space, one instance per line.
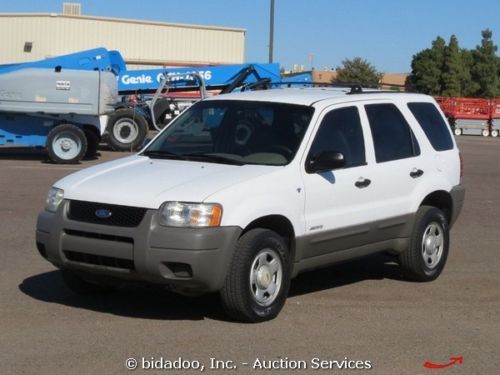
(426,256)
(494,133)
(258,281)
(485,133)
(457,131)
(66,144)
(126,129)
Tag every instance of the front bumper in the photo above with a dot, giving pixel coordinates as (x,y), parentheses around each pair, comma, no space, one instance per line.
(188,259)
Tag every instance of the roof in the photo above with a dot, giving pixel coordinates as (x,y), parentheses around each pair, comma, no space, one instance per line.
(310,96)
(303,96)
(122,20)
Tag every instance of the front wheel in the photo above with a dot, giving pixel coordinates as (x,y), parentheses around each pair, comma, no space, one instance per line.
(258,280)
(66,144)
(457,131)
(494,133)
(485,133)
(426,256)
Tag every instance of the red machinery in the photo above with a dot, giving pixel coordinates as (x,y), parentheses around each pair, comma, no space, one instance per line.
(472,115)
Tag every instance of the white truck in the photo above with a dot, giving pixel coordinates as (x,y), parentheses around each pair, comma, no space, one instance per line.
(242,192)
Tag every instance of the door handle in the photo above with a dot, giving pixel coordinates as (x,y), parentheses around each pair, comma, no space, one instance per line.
(415,173)
(362,183)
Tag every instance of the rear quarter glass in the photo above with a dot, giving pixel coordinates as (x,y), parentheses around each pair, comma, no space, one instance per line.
(433,125)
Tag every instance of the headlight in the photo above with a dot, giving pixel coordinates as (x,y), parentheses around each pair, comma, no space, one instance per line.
(183,214)
(54,199)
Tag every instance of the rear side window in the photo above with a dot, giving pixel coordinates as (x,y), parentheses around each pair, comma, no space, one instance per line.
(433,125)
(392,136)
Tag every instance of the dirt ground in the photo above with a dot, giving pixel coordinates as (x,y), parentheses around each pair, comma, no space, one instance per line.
(356,311)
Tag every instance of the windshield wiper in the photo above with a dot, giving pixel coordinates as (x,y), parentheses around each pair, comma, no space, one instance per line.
(211,158)
(161,154)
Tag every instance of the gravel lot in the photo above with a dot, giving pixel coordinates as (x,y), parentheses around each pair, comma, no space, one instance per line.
(360,310)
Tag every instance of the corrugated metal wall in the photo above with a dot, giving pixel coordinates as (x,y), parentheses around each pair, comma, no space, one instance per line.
(139,42)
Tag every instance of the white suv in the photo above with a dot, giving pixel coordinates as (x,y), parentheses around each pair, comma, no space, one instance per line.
(244,191)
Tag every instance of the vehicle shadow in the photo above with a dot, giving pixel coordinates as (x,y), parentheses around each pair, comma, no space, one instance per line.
(145,302)
(24,154)
(136,301)
(35,155)
(374,267)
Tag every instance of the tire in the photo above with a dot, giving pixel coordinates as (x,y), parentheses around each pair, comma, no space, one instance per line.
(426,256)
(92,143)
(258,280)
(66,144)
(457,131)
(126,130)
(485,133)
(82,287)
(494,133)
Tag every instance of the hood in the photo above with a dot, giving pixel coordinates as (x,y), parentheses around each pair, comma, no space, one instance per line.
(143,182)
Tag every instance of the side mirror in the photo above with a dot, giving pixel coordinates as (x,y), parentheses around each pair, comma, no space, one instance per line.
(325,161)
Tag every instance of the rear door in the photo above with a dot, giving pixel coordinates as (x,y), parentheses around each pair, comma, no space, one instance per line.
(398,162)
(370,199)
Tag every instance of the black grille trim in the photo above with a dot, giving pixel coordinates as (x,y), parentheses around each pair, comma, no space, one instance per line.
(122,216)
(99,260)
(99,236)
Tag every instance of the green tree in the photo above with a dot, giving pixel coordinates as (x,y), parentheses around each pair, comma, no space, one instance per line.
(427,68)
(485,67)
(453,73)
(469,87)
(358,70)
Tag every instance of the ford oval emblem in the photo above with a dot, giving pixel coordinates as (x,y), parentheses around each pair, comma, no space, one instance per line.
(103,213)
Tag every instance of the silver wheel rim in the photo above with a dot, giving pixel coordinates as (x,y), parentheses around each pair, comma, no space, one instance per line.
(458,131)
(66,145)
(494,133)
(125,130)
(432,244)
(266,276)
(486,133)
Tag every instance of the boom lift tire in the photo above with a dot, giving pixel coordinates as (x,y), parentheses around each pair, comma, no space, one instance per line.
(126,129)
(66,144)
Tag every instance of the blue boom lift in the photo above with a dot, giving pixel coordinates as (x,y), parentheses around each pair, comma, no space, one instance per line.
(41,102)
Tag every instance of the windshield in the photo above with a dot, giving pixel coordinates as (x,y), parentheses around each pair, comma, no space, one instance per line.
(234,132)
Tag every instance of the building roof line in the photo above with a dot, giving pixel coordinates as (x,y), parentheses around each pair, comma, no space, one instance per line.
(125,20)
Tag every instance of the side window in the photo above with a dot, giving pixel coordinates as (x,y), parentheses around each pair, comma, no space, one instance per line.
(433,125)
(341,131)
(392,136)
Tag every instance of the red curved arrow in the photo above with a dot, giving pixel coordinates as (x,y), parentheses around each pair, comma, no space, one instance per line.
(453,361)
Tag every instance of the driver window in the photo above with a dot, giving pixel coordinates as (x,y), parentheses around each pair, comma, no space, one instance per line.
(341,131)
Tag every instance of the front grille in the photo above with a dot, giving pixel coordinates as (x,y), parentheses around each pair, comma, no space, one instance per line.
(121,216)
(99,236)
(99,260)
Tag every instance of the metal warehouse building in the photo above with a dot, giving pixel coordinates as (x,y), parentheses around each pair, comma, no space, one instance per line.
(27,37)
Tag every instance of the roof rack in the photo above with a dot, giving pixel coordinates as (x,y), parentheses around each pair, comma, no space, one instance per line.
(350,88)
(354,88)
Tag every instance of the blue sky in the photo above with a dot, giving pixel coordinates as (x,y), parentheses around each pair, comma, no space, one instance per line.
(385,32)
